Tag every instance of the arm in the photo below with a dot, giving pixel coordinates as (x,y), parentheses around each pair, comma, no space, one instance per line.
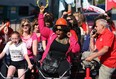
(74,44)
(97,54)
(24,52)
(107,43)
(92,41)
(44,44)
(92,44)
(5,50)
(34,48)
(6,35)
(2,55)
(28,61)
(45,31)
(1,27)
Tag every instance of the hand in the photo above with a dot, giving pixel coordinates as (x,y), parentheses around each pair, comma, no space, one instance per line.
(65,13)
(69,34)
(93,33)
(5,30)
(89,59)
(42,8)
(30,66)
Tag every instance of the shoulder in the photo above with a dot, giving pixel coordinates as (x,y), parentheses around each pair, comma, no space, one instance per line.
(8,43)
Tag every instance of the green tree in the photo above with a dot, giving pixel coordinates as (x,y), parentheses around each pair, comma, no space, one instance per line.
(101,1)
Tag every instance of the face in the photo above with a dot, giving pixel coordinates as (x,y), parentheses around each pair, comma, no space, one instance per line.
(69,20)
(47,24)
(36,27)
(59,31)
(99,27)
(26,26)
(15,38)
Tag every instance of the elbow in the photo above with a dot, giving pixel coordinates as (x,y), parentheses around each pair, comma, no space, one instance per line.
(106,48)
(76,48)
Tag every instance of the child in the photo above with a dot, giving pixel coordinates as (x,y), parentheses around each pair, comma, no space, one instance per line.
(18,52)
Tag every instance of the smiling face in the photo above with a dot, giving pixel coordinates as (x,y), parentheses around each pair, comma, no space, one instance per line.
(26,27)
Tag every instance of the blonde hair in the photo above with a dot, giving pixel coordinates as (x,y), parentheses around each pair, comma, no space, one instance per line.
(23,21)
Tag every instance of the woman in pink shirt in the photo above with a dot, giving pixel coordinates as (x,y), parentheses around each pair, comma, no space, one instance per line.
(59,43)
(40,38)
(30,39)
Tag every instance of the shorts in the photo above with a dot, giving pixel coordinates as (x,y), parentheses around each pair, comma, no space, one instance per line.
(18,64)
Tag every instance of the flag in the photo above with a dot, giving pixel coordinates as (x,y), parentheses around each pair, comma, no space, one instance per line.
(88,6)
(110,4)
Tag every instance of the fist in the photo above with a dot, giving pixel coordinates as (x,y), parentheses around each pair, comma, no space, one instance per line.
(7,24)
(69,34)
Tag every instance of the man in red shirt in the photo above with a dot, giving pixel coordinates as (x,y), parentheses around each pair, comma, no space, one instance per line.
(106,46)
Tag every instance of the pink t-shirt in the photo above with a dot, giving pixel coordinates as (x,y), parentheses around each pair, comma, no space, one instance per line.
(29,43)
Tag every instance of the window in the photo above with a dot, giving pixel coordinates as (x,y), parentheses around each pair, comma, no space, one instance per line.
(23,10)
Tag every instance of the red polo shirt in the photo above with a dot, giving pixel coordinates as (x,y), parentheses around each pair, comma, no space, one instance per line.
(107,38)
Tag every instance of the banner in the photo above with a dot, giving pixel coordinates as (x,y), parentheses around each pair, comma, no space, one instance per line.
(110,4)
(88,6)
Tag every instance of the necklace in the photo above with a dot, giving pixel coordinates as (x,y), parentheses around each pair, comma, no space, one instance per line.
(62,41)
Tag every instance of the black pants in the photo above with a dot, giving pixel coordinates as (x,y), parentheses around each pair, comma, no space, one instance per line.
(64,66)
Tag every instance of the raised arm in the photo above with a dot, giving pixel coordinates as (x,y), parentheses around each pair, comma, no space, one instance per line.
(45,31)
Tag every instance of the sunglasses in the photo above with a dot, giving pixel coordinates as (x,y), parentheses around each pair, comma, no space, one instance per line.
(56,29)
(69,19)
(25,25)
(36,25)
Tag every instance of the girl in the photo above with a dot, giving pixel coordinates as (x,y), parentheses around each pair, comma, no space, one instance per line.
(31,43)
(18,53)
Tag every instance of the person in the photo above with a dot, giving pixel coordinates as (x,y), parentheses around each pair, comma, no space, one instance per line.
(48,19)
(112,25)
(73,24)
(40,39)
(59,43)
(5,33)
(31,42)
(18,52)
(103,46)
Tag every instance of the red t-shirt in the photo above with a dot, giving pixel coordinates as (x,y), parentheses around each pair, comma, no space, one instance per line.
(107,38)
(84,26)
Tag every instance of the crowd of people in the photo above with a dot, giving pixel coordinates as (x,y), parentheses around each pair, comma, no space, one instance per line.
(52,44)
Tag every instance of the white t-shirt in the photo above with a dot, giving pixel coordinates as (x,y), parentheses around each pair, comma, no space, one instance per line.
(16,52)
